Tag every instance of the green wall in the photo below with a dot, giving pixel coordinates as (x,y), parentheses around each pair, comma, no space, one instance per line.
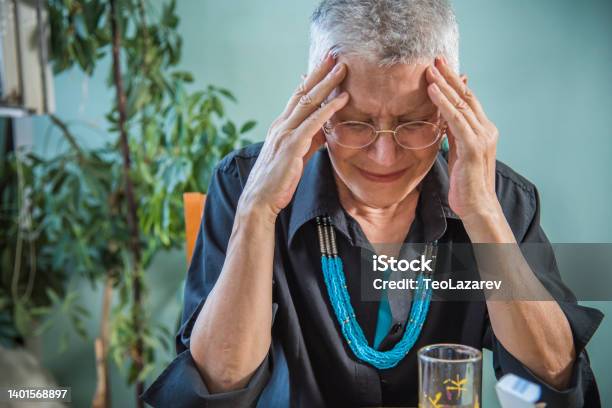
(541,69)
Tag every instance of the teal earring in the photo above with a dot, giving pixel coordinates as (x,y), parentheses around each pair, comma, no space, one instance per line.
(444,146)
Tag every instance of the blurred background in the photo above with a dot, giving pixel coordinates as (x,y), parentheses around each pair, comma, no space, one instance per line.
(542,71)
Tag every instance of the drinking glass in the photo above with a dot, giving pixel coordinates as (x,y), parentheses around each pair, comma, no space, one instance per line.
(450,375)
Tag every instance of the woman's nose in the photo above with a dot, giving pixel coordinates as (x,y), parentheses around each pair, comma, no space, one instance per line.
(384,149)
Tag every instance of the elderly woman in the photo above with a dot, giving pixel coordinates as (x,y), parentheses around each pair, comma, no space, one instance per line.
(354,161)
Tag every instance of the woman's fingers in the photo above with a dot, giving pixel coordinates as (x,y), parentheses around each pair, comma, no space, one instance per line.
(306,134)
(316,76)
(434,76)
(312,100)
(457,122)
(462,89)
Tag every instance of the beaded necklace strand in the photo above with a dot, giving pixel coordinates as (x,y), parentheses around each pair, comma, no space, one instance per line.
(335,282)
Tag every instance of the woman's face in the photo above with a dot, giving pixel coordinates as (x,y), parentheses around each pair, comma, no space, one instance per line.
(383,173)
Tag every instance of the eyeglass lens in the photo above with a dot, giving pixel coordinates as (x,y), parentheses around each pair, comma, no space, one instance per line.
(413,135)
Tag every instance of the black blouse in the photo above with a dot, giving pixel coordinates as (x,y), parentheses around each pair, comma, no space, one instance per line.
(309,363)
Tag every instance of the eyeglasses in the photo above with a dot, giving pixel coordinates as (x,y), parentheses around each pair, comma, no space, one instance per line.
(359,135)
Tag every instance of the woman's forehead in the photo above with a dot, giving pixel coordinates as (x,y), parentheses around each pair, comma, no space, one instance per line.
(398,90)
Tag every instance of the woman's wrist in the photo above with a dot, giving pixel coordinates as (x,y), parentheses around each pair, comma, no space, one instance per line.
(254,215)
(488,225)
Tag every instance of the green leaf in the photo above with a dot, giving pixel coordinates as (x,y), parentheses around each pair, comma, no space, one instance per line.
(44,327)
(146,371)
(133,373)
(217,106)
(40,311)
(63,343)
(169,18)
(80,310)
(78,326)
(247,126)
(183,75)
(175,172)
(53,296)
(227,94)
(229,129)
(22,319)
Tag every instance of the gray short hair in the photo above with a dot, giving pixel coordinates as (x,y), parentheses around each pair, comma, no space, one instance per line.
(385,31)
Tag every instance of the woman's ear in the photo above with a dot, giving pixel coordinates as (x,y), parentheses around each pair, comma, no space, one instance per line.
(464,79)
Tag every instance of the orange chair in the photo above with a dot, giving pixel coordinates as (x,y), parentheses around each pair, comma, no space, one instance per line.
(193,208)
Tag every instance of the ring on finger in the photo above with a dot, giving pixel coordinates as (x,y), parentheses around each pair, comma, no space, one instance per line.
(460,105)
(305,100)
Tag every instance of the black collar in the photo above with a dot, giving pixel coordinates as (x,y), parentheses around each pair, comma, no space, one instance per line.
(317,194)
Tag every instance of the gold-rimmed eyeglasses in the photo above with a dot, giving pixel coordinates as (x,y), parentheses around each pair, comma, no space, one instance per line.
(359,135)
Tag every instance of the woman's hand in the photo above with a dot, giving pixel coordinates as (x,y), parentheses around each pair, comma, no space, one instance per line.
(292,139)
(226,351)
(472,139)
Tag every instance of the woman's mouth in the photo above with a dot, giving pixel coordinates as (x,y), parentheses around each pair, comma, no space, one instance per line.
(382,177)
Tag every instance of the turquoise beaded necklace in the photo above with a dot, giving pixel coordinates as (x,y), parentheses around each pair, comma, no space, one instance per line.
(335,282)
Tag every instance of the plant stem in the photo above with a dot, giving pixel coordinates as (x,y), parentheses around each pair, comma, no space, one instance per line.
(132,214)
(67,134)
(102,397)
(143,24)
(18,248)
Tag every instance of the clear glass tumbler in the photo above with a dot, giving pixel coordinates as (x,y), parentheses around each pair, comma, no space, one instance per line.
(450,375)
